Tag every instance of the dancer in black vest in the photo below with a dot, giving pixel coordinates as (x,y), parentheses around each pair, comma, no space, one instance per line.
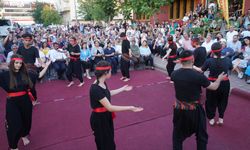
(74,66)
(189,115)
(219,98)
(30,54)
(101,119)
(171,55)
(200,53)
(125,59)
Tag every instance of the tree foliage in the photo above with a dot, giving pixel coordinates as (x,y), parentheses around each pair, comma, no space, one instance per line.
(97,9)
(46,14)
(147,7)
(50,16)
(38,12)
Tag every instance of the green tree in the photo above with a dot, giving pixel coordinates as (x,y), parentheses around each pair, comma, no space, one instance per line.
(50,16)
(126,9)
(143,7)
(97,9)
(37,13)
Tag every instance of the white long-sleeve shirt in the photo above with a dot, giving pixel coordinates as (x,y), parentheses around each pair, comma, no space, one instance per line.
(145,51)
(55,55)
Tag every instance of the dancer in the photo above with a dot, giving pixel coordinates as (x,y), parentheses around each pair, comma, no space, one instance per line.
(125,59)
(17,83)
(102,115)
(74,66)
(219,98)
(171,54)
(189,116)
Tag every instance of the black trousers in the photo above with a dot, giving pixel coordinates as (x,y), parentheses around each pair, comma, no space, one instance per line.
(18,119)
(125,68)
(102,125)
(148,60)
(188,122)
(74,67)
(170,66)
(217,99)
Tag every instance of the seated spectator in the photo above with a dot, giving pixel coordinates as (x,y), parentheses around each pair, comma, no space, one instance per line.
(58,59)
(109,54)
(158,45)
(230,34)
(146,55)
(242,61)
(186,42)
(97,52)
(235,44)
(246,32)
(208,43)
(85,57)
(45,48)
(136,56)
(226,51)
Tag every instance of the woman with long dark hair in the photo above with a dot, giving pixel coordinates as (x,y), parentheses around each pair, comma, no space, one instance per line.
(18,84)
(101,119)
(217,99)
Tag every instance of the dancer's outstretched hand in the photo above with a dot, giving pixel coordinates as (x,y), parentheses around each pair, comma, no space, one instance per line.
(127,88)
(137,109)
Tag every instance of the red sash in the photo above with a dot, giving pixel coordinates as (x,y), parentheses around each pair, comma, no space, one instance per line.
(103,109)
(73,58)
(214,79)
(21,93)
(185,105)
(172,56)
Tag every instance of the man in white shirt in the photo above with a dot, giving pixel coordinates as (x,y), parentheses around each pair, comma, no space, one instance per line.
(58,59)
(246,33)
(208,43)
(230,34)
(14,49)
(235,44)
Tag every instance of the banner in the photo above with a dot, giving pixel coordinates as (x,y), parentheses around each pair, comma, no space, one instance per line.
(223,6)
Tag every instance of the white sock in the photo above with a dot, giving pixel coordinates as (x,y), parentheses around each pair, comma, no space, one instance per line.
(211,122)
(26,141)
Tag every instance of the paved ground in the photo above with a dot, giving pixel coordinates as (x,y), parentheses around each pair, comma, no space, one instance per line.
(61,120)
(235,82)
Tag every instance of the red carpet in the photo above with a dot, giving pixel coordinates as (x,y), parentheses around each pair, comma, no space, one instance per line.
(61,121)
